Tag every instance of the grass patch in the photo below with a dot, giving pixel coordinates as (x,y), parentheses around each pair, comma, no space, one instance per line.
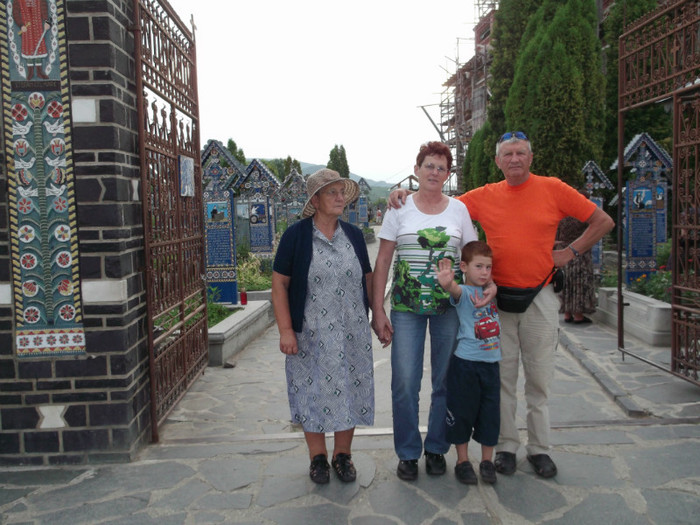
(217,312)
(254,274)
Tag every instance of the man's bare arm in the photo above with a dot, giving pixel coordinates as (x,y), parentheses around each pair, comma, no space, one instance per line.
(599,224)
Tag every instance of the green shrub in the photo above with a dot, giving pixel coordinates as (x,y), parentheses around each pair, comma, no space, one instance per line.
(216,312)
(242,251)
(608,279)
(656,285)
(663,252)
(254,274)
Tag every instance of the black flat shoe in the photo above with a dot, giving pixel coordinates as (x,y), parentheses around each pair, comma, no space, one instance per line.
(464,472)
(407,469)
(505,463)
(585,320)
(435,464)
(319,470)
(543,465)
(344,468)
(487,470)
(569,320)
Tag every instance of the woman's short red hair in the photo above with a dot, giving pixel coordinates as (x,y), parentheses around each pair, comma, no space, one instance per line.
(434,149)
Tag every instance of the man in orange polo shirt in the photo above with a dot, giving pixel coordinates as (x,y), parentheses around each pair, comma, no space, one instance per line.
(520,216)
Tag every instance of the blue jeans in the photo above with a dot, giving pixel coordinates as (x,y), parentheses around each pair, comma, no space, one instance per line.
(407,349)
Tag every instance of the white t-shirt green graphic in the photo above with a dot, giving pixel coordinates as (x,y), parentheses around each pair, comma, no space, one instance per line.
(421,241)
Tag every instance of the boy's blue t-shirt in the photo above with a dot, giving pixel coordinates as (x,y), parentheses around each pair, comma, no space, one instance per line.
(478,338)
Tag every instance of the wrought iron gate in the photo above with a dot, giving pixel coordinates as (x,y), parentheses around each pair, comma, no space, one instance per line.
(172,204)
(685,355)
(660,60)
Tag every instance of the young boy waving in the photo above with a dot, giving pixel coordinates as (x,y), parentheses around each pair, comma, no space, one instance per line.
(473,381)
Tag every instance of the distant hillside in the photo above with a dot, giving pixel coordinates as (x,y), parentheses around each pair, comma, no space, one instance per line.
(308,169)
(379,189)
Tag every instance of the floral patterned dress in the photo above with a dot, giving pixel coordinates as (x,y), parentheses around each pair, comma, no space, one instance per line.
(578,294)
(330,381)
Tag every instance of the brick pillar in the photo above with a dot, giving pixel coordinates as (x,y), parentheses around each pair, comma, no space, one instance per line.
(94,408)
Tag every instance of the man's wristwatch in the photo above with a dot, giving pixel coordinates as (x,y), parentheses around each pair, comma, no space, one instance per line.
(576,254)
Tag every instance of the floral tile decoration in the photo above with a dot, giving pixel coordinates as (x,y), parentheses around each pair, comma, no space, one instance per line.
(42,208)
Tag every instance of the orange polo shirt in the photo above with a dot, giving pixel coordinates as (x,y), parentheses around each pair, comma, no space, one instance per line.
(521,224)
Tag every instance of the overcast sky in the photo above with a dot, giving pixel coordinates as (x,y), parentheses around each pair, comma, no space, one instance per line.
(295,78)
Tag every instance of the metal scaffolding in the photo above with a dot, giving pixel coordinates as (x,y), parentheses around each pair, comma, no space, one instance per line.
(464,98)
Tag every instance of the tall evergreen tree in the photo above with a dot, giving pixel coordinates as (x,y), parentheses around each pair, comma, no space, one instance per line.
(476,170)
(344,168)
(236,152)
(557,91)
(334,159)
(510,22)
(338,161)
(469,167)
(289,164)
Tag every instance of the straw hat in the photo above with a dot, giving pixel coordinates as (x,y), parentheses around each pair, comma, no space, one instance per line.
(320,180)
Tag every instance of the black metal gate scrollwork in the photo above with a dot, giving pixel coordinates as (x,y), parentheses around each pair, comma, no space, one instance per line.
(685,354)
(659,60)
(172,204)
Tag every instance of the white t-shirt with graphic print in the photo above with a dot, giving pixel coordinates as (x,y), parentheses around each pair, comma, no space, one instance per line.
(421,241)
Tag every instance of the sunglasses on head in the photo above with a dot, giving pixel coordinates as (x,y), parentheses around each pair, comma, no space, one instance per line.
(513,134)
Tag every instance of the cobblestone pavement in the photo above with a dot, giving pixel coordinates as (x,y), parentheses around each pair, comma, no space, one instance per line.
(626,441)
(228,454)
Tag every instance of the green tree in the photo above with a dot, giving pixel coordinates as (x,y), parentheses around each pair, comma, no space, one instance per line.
(281,168)
(338,161)
(477,162)
(276,166)
(345,169)
(289,164)
(236,152)
(509,25)
(557,91)
(651,118)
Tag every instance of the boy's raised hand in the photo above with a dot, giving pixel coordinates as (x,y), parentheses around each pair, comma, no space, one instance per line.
(445,273)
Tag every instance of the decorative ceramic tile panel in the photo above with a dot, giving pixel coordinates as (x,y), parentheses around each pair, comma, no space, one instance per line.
(38,148)
(255,191)
(218,167)
(290,198)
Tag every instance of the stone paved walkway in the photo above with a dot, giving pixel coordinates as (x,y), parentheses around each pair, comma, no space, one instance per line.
(228,454)
(626,442)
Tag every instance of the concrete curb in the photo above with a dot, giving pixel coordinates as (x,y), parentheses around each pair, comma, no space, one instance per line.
(261,295)
(609,385)
(232,334)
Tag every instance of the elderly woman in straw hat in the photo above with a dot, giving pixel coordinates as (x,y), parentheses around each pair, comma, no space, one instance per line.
(321,284)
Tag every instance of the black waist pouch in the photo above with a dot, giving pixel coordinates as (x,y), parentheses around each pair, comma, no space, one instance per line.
(516,300)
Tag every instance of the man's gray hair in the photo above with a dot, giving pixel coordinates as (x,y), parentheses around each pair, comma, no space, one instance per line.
(512,140)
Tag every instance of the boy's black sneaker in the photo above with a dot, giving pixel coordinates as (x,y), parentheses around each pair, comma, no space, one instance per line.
(407,469)
(465,473)
(487,470)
